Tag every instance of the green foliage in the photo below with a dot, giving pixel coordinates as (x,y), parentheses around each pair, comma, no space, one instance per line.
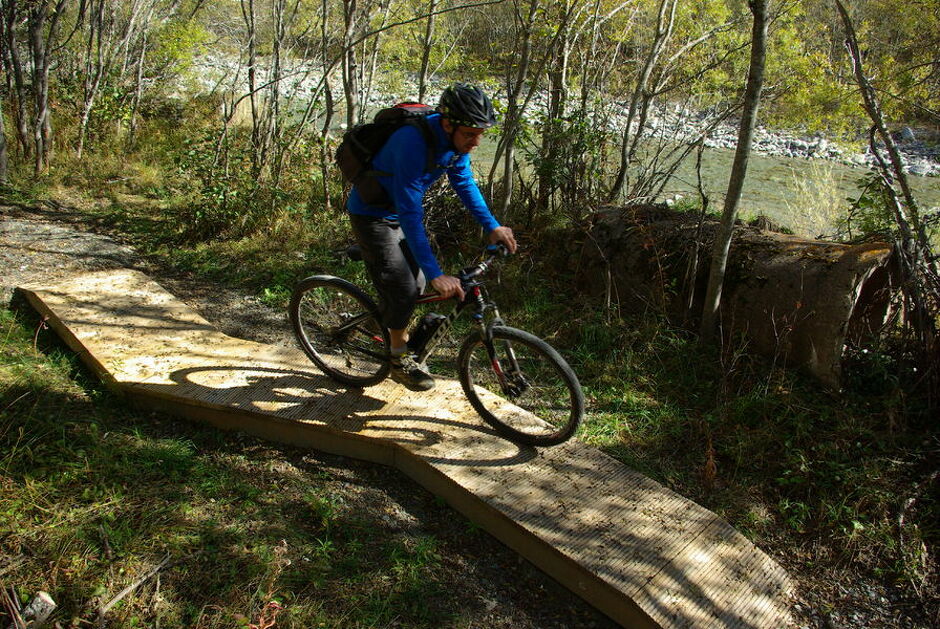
(573,167)
(870,213)
(805,85)
(224,190)
(177,45)
(235,193)
(714,69)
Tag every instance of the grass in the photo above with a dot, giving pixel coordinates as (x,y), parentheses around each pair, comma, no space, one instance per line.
(807,473)
(766,448)
(93,495)
(817,201)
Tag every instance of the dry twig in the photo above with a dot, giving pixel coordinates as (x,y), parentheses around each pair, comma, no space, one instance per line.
(13,609)
(39,328)
(130,588)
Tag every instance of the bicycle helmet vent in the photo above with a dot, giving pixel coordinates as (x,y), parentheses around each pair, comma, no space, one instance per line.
(466,105)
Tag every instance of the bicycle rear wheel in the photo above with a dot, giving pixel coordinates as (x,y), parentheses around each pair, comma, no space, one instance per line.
(522,387)
(339,327)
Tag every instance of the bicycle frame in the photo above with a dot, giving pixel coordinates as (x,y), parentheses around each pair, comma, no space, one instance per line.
(475,299)
(516,381)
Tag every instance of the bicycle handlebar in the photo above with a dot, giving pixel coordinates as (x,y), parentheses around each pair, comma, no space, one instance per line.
(494,251)
(467,274)
(497,249)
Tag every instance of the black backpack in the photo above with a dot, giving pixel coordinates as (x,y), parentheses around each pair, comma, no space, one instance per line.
(361,143)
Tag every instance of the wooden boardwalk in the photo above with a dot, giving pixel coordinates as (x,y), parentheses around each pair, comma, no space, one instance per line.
(637,551)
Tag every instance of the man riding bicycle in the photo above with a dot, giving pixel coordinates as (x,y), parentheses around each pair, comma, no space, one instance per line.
(393,239)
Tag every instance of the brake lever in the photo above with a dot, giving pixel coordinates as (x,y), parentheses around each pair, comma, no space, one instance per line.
(497,249)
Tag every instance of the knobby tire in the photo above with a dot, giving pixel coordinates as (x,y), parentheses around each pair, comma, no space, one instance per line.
(357,354)
(547,413)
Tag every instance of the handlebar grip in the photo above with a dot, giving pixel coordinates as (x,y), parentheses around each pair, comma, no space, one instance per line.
(497,249)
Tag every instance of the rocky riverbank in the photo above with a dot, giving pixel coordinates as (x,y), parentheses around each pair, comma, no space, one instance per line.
(920,149)
(920,157)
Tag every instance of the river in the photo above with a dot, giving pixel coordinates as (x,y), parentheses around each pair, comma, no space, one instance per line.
(808,196)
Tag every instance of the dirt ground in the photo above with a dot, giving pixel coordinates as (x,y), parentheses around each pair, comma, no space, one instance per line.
(497,587)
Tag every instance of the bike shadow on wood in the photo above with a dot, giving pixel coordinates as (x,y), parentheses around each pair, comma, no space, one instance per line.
(424,425)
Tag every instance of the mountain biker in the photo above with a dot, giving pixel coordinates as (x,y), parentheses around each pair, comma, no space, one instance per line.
(393,239)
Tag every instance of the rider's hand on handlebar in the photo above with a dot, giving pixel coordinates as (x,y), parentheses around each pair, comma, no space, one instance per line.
(448,286)
(505,236)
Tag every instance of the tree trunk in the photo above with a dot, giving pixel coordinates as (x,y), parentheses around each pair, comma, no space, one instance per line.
(272,143)
(642,97)
(330,109)
(755,81)
(3,145)
(557,101)
(910,223)
(94,69)
(350,64)
(367,76)
(42,25)
(920,280)
(516,77)
(325,157)
(426,51)
(248,15)
(40,115)
(138,87)
(20,91)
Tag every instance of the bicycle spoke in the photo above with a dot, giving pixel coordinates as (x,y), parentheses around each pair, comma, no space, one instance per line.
(338,328)
(522,387)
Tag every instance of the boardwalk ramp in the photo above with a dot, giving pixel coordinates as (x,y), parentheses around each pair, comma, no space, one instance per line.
(637,551)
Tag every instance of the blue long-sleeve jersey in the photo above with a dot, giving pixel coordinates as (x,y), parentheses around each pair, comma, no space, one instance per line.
(405,156)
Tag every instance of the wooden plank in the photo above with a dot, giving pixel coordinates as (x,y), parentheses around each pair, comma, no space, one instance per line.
(636,550)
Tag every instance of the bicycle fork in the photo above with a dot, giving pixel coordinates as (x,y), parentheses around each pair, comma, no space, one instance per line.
(507,371)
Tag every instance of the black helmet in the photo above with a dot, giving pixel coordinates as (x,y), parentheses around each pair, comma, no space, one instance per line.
(466,105)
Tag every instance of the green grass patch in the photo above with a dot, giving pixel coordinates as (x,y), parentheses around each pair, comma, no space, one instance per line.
(93,495)
(783,461)
(763,447)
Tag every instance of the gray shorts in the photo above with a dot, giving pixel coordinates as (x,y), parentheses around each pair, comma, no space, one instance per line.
(391,266)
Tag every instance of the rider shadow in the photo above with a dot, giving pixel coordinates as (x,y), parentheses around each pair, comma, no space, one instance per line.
(310,397)
(285,393)
(464,448)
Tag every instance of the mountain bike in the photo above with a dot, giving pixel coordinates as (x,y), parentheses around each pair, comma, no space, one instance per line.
(516,381)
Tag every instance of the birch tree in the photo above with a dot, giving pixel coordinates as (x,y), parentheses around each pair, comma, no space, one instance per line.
(111,29)
(755,81)
(642,95)
(352,22)
(16,80)
(426,45)
(43,25)
(3,144)
(516,77)
(920,279)
(678,57)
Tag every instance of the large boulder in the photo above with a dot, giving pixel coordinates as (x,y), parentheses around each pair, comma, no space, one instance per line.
(793,299)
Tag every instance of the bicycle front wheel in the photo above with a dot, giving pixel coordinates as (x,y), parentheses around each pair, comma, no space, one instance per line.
(339,328)
(521,386)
